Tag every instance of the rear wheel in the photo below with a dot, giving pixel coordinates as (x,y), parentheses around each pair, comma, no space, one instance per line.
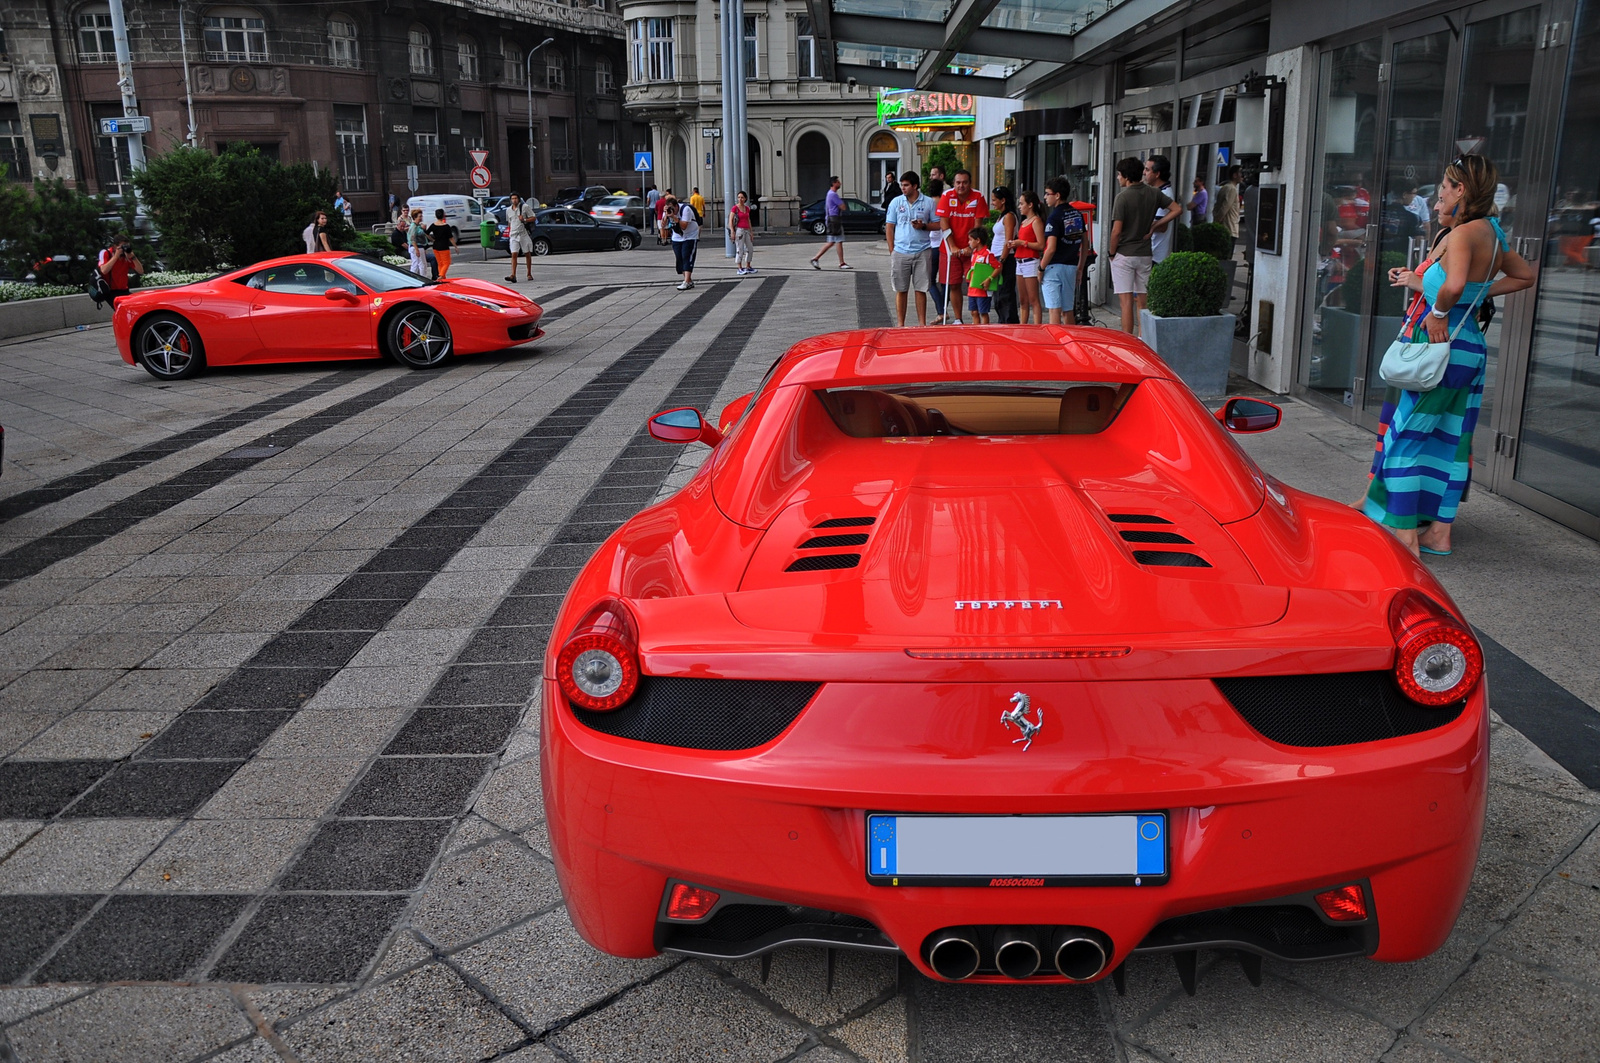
(541,246)
(819,227)
(168,347)
(419,337)
(625,242)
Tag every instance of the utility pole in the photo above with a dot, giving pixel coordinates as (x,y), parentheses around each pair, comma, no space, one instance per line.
(734,138)
(188,93)
(728,72)
(527,77)
(130,101)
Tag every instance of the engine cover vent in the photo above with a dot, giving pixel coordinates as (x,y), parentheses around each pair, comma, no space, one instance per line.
(823,562)
(848,522)
(1155,537)
(1171,558)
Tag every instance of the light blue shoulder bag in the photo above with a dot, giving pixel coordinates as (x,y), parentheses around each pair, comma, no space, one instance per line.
(1418,365)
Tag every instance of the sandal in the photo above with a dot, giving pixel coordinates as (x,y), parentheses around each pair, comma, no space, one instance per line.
(513,280)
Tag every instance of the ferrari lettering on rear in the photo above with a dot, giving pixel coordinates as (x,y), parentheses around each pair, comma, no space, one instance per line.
(1018,716)
(1008,603)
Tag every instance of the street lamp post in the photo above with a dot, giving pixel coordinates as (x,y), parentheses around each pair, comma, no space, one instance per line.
(527,77)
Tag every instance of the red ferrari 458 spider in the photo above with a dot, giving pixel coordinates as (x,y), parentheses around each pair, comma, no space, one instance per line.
(312,308)
(990,646)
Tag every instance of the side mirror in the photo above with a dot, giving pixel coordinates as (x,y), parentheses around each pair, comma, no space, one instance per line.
(683,425)
(339,293)
(733,411)
(1249,415)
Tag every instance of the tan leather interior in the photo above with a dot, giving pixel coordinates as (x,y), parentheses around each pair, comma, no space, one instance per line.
(1086,410)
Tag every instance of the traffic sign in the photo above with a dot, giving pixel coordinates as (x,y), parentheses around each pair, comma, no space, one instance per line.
(481,193)
(125,126)
(480,177)
(480,157)
(711,132)
(411,177)
(642,161)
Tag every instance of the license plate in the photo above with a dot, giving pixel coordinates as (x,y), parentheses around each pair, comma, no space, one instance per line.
(1125,849)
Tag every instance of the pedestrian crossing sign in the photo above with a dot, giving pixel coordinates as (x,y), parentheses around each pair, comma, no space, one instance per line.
(642,162)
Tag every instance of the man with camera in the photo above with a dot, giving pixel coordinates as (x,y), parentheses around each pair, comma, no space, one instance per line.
(112,269)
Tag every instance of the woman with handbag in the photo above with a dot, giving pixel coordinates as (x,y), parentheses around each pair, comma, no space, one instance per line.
(1423,461)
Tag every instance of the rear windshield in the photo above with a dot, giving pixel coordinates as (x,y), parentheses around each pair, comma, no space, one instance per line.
(976,408)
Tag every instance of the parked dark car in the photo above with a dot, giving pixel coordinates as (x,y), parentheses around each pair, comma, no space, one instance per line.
(859,217)
(582,198)
(566,229)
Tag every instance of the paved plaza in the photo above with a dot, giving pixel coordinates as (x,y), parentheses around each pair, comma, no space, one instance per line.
(269,776)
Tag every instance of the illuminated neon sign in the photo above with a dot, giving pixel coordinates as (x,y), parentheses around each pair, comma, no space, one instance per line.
(911,108)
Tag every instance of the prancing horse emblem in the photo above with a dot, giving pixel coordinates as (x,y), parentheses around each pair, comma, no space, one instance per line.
(1019,716)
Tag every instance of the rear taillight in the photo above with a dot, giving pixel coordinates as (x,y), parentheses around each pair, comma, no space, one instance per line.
(1346,904)
(598,667)
(1437,659)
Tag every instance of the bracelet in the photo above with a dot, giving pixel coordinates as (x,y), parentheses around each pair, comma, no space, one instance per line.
(1442,315)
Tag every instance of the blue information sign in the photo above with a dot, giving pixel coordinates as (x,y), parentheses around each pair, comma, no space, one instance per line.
(641,161)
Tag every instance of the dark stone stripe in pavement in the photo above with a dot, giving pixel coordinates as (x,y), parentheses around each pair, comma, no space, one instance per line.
(95,475)
(1548,715)
(872,310)
(145,938)
(31,927)
(33,557)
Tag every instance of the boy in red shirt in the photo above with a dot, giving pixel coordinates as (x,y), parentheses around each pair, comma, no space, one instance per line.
(961,208)
(983,272)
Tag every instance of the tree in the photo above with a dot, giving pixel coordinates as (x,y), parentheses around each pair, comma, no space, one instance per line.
(53,232)
(944,156)
(234,208)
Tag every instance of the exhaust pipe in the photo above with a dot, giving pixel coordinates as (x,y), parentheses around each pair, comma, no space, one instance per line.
(953,954)
(1080,953)
(1016,951)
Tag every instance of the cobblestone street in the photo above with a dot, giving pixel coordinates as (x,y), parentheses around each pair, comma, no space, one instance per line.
(270,641)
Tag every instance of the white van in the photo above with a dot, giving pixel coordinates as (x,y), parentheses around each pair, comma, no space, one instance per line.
(463,213)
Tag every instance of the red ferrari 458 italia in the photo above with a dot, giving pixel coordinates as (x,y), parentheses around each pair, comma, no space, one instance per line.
(990,646)
(313,308)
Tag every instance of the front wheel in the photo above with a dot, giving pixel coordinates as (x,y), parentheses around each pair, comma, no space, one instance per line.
(625,241)
(541,246)
(168,347)
(820,228)
(419,337)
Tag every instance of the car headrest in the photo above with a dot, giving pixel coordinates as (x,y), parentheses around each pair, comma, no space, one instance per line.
(1086,410)
(869,414)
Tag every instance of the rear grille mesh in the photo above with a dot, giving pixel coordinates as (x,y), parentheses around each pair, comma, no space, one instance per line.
(1171,558)
(1333,709)
(817,542)
(822,562)
(704,713)
(1291,931)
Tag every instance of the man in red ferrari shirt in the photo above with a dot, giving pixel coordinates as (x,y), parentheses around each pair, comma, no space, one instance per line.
(960,209)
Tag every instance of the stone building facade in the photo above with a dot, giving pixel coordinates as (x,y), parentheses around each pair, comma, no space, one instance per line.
(802,127)
(368,91)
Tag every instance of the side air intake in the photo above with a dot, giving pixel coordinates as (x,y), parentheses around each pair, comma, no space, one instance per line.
(822,541)
(848,522)
(823,562)
(1170,558)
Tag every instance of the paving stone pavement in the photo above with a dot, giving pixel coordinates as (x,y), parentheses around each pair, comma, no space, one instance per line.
(269,780)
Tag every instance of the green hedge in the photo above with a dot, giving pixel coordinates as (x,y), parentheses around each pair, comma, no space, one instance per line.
(1212,238)
(1188,284)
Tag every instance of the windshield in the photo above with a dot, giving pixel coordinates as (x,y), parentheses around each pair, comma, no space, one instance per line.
(978,408)
(379,276)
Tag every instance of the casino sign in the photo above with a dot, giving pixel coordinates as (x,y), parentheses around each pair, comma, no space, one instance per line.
(915,109)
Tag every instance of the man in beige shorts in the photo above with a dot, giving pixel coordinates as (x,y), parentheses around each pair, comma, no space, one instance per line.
(1133,217)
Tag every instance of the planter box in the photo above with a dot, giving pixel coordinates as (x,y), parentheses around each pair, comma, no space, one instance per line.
(1199,349)
(1334,357)
(28,317)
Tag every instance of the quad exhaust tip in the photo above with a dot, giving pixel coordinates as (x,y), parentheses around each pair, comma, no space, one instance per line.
(1080,954)
(953,955)
(1016,952)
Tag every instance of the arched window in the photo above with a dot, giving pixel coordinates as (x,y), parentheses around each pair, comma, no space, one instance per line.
(513,62)
(467,58)
(555,70)
(605,80)
(235,35)
(883,141)
(420,51)
(96,43)
(342,47)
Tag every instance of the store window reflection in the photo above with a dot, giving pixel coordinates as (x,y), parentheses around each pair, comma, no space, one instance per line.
(1348,134)
(1558,449)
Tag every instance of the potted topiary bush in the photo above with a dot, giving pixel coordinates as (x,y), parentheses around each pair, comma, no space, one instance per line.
(1213,238)
(1185,323)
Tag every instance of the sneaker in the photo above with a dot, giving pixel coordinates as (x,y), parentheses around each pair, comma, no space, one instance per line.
(752,269)
(815,266)
(684,287)
(846,265)
(742,271)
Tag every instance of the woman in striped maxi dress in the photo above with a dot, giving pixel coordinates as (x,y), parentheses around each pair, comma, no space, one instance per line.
(1424,459)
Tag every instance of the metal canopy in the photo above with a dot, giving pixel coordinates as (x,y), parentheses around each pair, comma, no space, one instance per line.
(925,44)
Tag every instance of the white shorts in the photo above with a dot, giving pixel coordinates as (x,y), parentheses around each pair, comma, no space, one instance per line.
(522,244)
(1027,267)
(1130,275)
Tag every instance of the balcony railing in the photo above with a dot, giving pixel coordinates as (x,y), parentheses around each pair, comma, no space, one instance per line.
(430,158)
(561,161)
(231,57)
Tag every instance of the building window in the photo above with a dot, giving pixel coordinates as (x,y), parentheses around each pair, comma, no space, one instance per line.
(342,47)
(512,59)
(560,147)
(235,35)
(749,47)
(13,145)
(112,169)
(420,51)
(605,80)
(805,48)
(607,152)
(350,133)
(650,41)
(466,59)
(96,42)
(430,153)
(471,130)
(555,70)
